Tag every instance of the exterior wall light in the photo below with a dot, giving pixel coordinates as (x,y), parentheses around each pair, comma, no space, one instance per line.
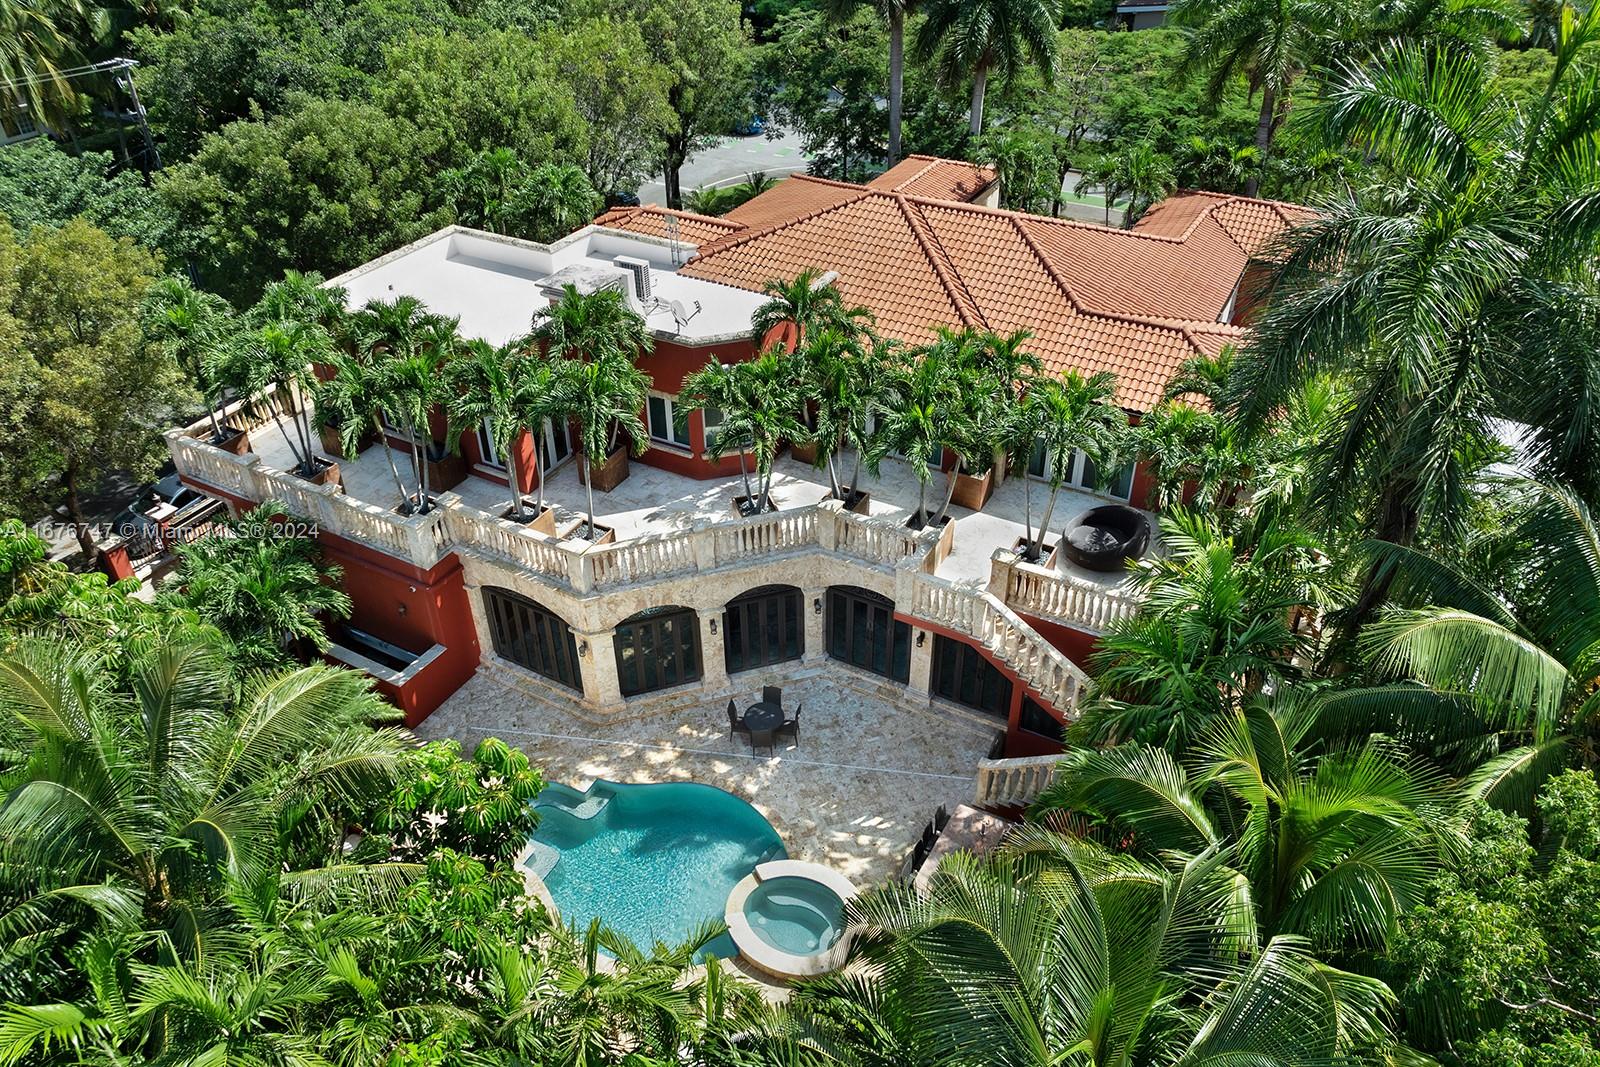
(583,648)
(922,636)
(816,605)
(713,627)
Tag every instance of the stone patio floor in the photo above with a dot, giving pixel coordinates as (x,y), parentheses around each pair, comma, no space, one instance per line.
(653,500)
(854,793)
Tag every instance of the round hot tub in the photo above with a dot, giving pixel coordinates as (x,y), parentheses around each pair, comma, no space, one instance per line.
(795,915)
(788,918)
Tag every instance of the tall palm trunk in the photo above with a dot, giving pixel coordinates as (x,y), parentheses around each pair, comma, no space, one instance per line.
(388,454)
(1044,520)
(744,475)
(1269,101)
(588,480)
(897,77)
(1029,552)
(980,85)
(922,502)
(516,481)
(949,491)
(855,470)
(539,464)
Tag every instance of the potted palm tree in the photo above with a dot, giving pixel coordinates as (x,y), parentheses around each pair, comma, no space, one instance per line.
(505,389)
(1073,413)
(919,424)
(197,327)
(601,336)
(350,404)
(756,417)
(278,357)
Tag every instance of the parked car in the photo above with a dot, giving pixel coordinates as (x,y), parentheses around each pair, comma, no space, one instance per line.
(751,126)
(621,198)
(135,517)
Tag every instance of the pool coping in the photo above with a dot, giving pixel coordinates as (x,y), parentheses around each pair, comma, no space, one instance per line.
(774,961)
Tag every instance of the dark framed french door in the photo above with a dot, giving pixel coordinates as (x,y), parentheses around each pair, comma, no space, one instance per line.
(961,674)
(532,636)
(657,649)
(763,626)
(863,632)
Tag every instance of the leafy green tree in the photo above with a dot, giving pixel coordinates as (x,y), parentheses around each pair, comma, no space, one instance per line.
(1050,953)
(894,14)
(465,94)
(266,588)
(970,39)
(823,81)
(599,337)
(620,91)
(482,807)
(1331,846)
(1494,965)
(41,184)
(498,193)
(83,393)
(706,54)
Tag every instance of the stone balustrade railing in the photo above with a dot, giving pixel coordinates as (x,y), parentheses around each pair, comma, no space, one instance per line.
(1008,783)
(423,540)
(1051,594)
(981,615)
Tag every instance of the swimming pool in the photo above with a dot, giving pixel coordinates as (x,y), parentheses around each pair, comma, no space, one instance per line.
(650,861)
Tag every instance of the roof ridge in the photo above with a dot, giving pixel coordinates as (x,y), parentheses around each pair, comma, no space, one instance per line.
(1077,224)
(820,180)
(943,267)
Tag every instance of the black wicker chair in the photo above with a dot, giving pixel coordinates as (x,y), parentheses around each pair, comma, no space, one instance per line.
(792,726)
(735,722)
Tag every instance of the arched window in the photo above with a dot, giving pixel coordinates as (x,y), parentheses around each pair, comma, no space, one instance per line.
(658,648)
(532,636)
(863,632)
(763,626)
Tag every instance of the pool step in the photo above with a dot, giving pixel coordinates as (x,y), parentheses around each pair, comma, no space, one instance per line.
(542,858)
(565,799)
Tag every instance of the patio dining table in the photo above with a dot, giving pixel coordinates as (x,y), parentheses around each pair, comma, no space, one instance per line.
(763,720)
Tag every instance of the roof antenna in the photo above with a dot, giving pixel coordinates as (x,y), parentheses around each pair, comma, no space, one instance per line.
(672,238)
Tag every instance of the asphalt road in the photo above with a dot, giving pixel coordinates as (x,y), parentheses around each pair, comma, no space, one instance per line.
(727,163)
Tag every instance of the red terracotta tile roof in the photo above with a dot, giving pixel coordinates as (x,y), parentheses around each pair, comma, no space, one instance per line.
(1136,302)
(653,222)
(936,179)
(797,195)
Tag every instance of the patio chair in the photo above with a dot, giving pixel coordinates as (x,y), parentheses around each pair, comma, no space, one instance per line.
(735,722)
(792,726)
(772,694)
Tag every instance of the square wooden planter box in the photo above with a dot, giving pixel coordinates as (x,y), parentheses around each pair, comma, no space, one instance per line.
(973,491)
(603,534)
(1047,557)
(234,441)
(942,547)
(610,474)
(327,474)
(861,505)
(446,472)
(804,453)
(329,436)
(544,522)
(739,503)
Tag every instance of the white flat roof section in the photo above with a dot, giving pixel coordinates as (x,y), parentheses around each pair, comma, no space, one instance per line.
(495,285)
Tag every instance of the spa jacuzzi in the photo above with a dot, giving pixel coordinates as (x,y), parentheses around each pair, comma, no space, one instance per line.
(787,918)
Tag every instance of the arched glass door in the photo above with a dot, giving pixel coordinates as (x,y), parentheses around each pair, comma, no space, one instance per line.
(863,632)
(532,636)
(763,626)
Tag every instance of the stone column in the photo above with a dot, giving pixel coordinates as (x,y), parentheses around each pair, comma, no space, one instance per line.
(713,654)
(815,628)
(921,683)
(598,665)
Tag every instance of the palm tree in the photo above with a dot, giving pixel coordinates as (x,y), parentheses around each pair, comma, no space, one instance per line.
(830,362)
(894,13)
(508,389)
(38,46)
(195,326)
(301,297)
(264,589)
(1137,173)
(1487,660)
(975,38)
(1212,630)
(929,412)
(599,337)
(1269,43)
(1052,953)
(352,401)
(756,400)
(1073,414)
(806,301)
(1439,295)
(153,789)
(277,356)
(1328,845)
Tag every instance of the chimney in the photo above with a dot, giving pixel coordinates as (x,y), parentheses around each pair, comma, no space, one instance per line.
(640,270)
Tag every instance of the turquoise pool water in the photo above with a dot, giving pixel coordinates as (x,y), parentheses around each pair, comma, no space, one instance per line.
(795,915)
(650,861)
